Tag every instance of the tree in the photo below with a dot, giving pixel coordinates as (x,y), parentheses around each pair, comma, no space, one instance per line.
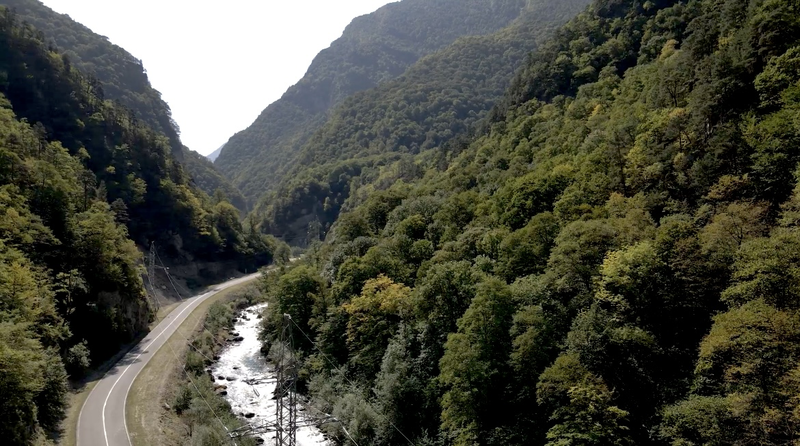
(473,366)
(580,406)
(374,317)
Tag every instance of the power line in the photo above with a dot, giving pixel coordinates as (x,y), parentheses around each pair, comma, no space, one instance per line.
(169,277)
(200,394)
(166,269)
(348,380)
(286,388)
(151,275)
(344,429)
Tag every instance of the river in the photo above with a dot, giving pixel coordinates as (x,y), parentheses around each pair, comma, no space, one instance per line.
(251,382)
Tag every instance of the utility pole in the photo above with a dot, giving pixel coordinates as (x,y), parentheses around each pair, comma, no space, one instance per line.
(286,389)
(151,271)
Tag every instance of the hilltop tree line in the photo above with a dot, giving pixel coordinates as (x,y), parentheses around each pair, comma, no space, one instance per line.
(610,260)
(373,50)
(122,79)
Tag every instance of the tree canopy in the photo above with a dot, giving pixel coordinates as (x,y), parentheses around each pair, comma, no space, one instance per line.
(608,257)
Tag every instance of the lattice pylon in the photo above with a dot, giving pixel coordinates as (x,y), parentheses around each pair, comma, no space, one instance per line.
(286,388)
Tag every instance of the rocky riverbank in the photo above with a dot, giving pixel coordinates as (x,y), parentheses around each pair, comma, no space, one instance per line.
(243,377)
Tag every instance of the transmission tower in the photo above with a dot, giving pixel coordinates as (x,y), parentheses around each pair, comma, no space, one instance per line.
(286,389)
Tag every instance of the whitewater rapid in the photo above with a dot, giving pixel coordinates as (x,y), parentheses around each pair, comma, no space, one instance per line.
(250,380)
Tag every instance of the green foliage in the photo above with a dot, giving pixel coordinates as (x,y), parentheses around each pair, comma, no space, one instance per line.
(472,366)
(373,318)
(609,258)
(70,282)
(131,146)
(205,176)
(123,77)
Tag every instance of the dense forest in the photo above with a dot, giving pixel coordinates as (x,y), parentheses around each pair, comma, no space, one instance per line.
(373,49)
(610,258)
(83,181)
(124,80)
(560,223)
(436,101)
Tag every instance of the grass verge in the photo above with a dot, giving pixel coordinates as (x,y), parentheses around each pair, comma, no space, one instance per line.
(149,421)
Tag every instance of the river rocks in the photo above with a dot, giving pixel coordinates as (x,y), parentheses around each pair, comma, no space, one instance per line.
(221,378)
(252,380)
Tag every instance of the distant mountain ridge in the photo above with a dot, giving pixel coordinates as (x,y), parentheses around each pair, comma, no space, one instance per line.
(435,102)
(373,49)
(215,154)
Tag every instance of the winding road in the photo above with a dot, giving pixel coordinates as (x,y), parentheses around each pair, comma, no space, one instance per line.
(102,418)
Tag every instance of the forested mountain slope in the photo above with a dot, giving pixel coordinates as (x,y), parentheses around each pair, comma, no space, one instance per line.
(374,48)
(68,271)
(613,261)
(123,79)
(133,163)
(437,100)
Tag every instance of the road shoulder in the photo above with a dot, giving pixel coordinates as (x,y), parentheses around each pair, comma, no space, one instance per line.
(148,420)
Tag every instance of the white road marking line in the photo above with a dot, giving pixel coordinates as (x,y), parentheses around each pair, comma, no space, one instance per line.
(200,299)
(105,433)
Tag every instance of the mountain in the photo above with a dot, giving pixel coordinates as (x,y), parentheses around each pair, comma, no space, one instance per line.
(374,48)
(435,102)
(125,163)
(123,79)
(215,154)
(83,181)
(611,258)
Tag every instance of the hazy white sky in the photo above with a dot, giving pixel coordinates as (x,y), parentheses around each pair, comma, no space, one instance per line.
(218,64)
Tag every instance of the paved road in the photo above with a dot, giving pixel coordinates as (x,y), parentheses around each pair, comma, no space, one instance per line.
(102,418)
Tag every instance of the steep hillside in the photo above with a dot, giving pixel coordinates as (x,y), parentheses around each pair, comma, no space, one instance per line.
(70,289)
(133,163)
(123,76)
(123,79)
(612,261)
(373,49)
(437,100)
(82,182)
